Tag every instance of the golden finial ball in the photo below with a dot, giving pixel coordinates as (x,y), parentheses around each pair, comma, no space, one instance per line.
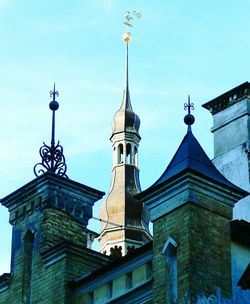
(127,37)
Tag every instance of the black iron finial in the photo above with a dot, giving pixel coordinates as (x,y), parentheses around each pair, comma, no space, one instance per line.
(52,156)
(189,118)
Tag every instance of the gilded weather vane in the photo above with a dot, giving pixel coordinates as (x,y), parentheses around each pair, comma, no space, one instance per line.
(128,19)
(52,156)
(129,16)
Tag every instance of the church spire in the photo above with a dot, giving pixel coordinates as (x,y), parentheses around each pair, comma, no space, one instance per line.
(126,103)
(125,119)
(121,206)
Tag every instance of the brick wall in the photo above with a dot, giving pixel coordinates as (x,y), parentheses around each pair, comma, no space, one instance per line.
(203,253)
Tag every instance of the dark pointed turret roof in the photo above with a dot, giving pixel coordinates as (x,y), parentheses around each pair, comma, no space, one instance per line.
(190,156)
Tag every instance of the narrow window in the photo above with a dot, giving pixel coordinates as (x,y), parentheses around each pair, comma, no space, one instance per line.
(115,156)
(110,290)
(128,154)
(28,244)
(129,284)
(170,253)
(120,154)
(149,270)
(90,298)
(135,156)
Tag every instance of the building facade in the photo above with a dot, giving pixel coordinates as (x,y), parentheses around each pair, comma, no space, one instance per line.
(200,210)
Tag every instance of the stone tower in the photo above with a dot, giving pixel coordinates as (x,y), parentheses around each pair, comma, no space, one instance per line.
(49,218)
(125,224)
(231,130)
(191,208)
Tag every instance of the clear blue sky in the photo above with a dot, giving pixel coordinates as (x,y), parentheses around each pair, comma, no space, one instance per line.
(179,47)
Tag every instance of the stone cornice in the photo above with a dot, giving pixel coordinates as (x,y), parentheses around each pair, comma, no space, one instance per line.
(50,190)
(131,136)
(37,185)
(190,188)
(228,99)
(66,249)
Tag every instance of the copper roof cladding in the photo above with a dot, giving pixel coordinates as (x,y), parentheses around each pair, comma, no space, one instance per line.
(228,98)
(125,119)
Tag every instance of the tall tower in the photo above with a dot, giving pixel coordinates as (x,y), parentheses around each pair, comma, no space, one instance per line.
(190,206)
(49,218)
(125,224)
(231,131)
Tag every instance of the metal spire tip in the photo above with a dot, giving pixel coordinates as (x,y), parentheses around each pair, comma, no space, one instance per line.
(189,118)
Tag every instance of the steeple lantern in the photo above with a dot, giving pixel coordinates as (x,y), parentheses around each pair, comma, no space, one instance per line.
(121,207)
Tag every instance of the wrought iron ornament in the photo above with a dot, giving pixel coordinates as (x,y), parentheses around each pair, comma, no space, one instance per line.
(189,118)
(189,106)
(52,156)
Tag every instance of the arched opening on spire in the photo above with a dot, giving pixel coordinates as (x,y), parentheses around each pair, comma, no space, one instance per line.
(135,161)
(114,156)
(120,158)
(128,154)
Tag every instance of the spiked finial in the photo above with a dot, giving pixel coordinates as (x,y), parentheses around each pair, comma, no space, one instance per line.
(52,156)
(129,16)
(189,118)
(54,105)
(125,119)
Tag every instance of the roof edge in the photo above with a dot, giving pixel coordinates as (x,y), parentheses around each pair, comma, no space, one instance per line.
(210,104)
(48,177)
(241,192)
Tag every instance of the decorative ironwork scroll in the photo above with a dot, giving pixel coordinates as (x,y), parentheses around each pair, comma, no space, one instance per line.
(189,106)
(53,159)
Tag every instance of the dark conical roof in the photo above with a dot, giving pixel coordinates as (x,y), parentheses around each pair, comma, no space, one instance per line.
(190,156)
